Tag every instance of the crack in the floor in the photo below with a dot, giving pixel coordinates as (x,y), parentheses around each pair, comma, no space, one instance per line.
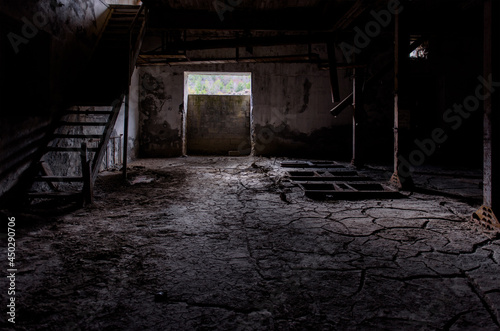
(481,296)
(448,324)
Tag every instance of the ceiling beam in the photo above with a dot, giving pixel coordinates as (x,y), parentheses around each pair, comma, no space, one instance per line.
(202,44)
(298,58)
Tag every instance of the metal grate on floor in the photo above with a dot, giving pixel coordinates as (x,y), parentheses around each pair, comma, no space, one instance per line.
(330,180)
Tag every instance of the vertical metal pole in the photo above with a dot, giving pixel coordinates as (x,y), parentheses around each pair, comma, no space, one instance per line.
(488,105)
(353,161)
(107,156)
(395,176)
(396,94)
(120,149)
(490,190)
(486,216)
(125,137)
(88,195)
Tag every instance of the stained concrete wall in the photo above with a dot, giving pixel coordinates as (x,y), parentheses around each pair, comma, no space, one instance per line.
(161,110)
(290,110)
(217,124)
(133,121)
(43,46)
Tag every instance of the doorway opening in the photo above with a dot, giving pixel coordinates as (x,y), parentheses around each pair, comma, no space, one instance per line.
(217,118)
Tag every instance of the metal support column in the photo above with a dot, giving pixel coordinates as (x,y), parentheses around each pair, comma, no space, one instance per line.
(125,136)
(357,104)
(397,179)
(485,216)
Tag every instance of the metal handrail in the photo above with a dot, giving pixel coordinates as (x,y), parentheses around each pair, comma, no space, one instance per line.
(136,17)
(135,49)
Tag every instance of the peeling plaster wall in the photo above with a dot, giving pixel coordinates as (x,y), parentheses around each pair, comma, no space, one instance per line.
(44,45)
(161,110)
(290,107)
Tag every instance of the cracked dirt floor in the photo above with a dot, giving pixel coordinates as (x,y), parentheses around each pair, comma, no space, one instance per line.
(229,254)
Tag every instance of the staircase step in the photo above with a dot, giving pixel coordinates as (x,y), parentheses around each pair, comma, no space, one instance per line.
(118,25)
(114,27)
(116,32)
(70,149)
(120,19)
(130,15)
(51,195)
(78,136)
(83,123)
(89,112)
(124,7)
(125,11)
(66,179)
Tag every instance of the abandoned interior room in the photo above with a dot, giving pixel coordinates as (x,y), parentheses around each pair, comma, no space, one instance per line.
(250,164)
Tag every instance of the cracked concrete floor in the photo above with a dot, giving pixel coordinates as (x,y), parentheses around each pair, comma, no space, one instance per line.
(214,236)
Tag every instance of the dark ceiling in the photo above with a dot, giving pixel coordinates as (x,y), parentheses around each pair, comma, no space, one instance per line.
(290,15)
(254,15)
(178,26)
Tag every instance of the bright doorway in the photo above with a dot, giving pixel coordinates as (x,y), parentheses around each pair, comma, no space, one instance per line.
(217,117)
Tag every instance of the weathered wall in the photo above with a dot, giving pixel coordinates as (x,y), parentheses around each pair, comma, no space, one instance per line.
(161,110)
(43,47)
(217,124)
(133,120)
(290,110)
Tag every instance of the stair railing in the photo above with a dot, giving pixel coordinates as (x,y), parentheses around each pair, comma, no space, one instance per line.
(134,50)
(135,45)
(103,144)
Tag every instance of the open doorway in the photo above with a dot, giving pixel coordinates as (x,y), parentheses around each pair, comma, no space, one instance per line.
(217,113)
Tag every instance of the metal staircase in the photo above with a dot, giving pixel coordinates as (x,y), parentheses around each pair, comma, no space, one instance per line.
(73,157)
(78,147)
